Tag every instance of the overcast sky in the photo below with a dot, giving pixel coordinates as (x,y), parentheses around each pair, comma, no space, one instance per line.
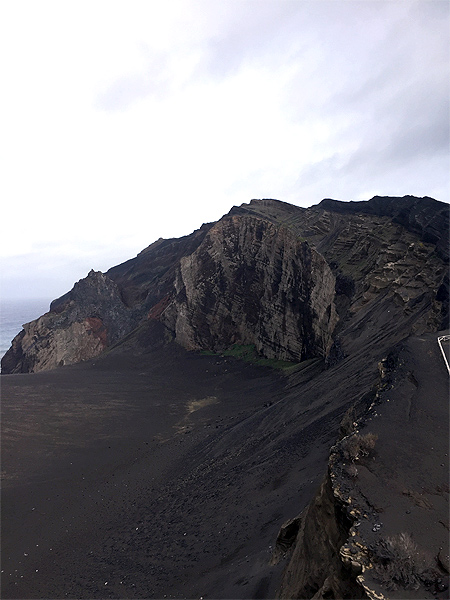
(125,121)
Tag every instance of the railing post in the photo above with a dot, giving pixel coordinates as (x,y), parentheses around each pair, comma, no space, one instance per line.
(444,338)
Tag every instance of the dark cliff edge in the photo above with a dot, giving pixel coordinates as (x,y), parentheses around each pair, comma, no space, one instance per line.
(378,525)
(352,296)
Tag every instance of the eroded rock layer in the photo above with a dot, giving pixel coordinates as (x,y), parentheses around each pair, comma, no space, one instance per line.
(80,325)
(250,282)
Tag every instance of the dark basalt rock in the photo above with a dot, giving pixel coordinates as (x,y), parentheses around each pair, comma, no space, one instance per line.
(425,216)
(250,282)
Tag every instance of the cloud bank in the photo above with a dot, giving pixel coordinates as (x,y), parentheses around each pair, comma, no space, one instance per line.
(127,121)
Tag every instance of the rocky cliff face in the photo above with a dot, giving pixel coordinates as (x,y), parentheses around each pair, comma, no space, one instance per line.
(250,282)
(240,281)
(80,325)
(295,283)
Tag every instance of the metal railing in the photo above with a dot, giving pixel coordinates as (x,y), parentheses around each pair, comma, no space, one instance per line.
(444,338)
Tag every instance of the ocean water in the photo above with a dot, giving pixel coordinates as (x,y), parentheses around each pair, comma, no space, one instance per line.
(14,313)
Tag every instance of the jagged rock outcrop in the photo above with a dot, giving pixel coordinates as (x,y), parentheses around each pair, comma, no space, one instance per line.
(79,326)
(250,282)
(100,310)
(316,569)
(243,280)
(146,279)
(388,280)
(423,216)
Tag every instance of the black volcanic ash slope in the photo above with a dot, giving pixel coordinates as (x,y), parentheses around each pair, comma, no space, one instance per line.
(173,471)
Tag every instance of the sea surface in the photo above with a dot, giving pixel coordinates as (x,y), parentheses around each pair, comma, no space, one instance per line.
(14,313)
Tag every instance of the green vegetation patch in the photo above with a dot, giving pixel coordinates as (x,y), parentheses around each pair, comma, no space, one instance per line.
(248,353)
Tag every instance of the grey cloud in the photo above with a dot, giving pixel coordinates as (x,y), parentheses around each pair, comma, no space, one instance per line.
(260,31)
(152,80)
(124,92)
(353,57)
(422,127)
(421,140)
(357,64)
(430,11)
(379,70)
(411,124)
(276,33)
(397,111)
(252,32)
